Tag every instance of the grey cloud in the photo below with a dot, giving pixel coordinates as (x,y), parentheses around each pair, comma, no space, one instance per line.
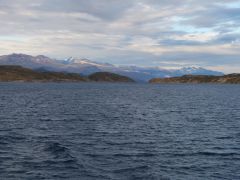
(227,38)
(104,29)
(213,16)
(202,59)
(172,42)
(104,9)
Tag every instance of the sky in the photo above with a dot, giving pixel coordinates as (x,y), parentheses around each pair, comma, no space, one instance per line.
(164,33)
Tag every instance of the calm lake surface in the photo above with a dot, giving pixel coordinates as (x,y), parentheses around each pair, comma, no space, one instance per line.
(119,131)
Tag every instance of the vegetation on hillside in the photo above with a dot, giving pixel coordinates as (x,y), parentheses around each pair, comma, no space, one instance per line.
(229,79)
(17,73)
(109,77)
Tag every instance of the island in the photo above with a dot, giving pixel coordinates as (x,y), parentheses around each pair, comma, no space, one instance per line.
(225,79)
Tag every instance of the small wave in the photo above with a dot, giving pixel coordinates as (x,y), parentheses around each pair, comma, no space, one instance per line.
(135,155)
(61,156)
(46,119)
(225,137)
(118,143)
(65,163)
(87,143)
(5,139)
(3,142)
(131,169)
(94,155)
(120,155)
(58,150)
(112,143)
(209,153)
(206,153)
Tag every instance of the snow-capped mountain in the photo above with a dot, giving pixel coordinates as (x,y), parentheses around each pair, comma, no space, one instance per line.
(196,71)
(86,67)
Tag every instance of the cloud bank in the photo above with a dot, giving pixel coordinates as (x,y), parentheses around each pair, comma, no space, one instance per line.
(166,33)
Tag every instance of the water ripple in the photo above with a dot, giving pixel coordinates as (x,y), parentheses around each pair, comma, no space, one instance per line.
(119,131)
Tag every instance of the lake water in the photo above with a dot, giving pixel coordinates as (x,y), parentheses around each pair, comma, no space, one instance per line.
(119,131)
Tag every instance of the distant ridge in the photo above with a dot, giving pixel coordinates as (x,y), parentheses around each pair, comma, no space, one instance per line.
(226,79)
(87,67)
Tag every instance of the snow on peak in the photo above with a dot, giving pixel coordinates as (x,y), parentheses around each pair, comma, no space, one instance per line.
(190,69)
(72,60)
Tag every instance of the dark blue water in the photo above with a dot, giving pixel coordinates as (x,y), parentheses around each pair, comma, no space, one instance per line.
(119,131)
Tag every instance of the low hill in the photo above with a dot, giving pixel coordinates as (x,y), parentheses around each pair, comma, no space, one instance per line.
(109,77)
(228,79)
(10,73)
(18,73)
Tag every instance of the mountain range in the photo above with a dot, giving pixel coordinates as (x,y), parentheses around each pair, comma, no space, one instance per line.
(86,67)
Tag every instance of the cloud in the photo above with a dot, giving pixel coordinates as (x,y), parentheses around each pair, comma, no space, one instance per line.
(141,32)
